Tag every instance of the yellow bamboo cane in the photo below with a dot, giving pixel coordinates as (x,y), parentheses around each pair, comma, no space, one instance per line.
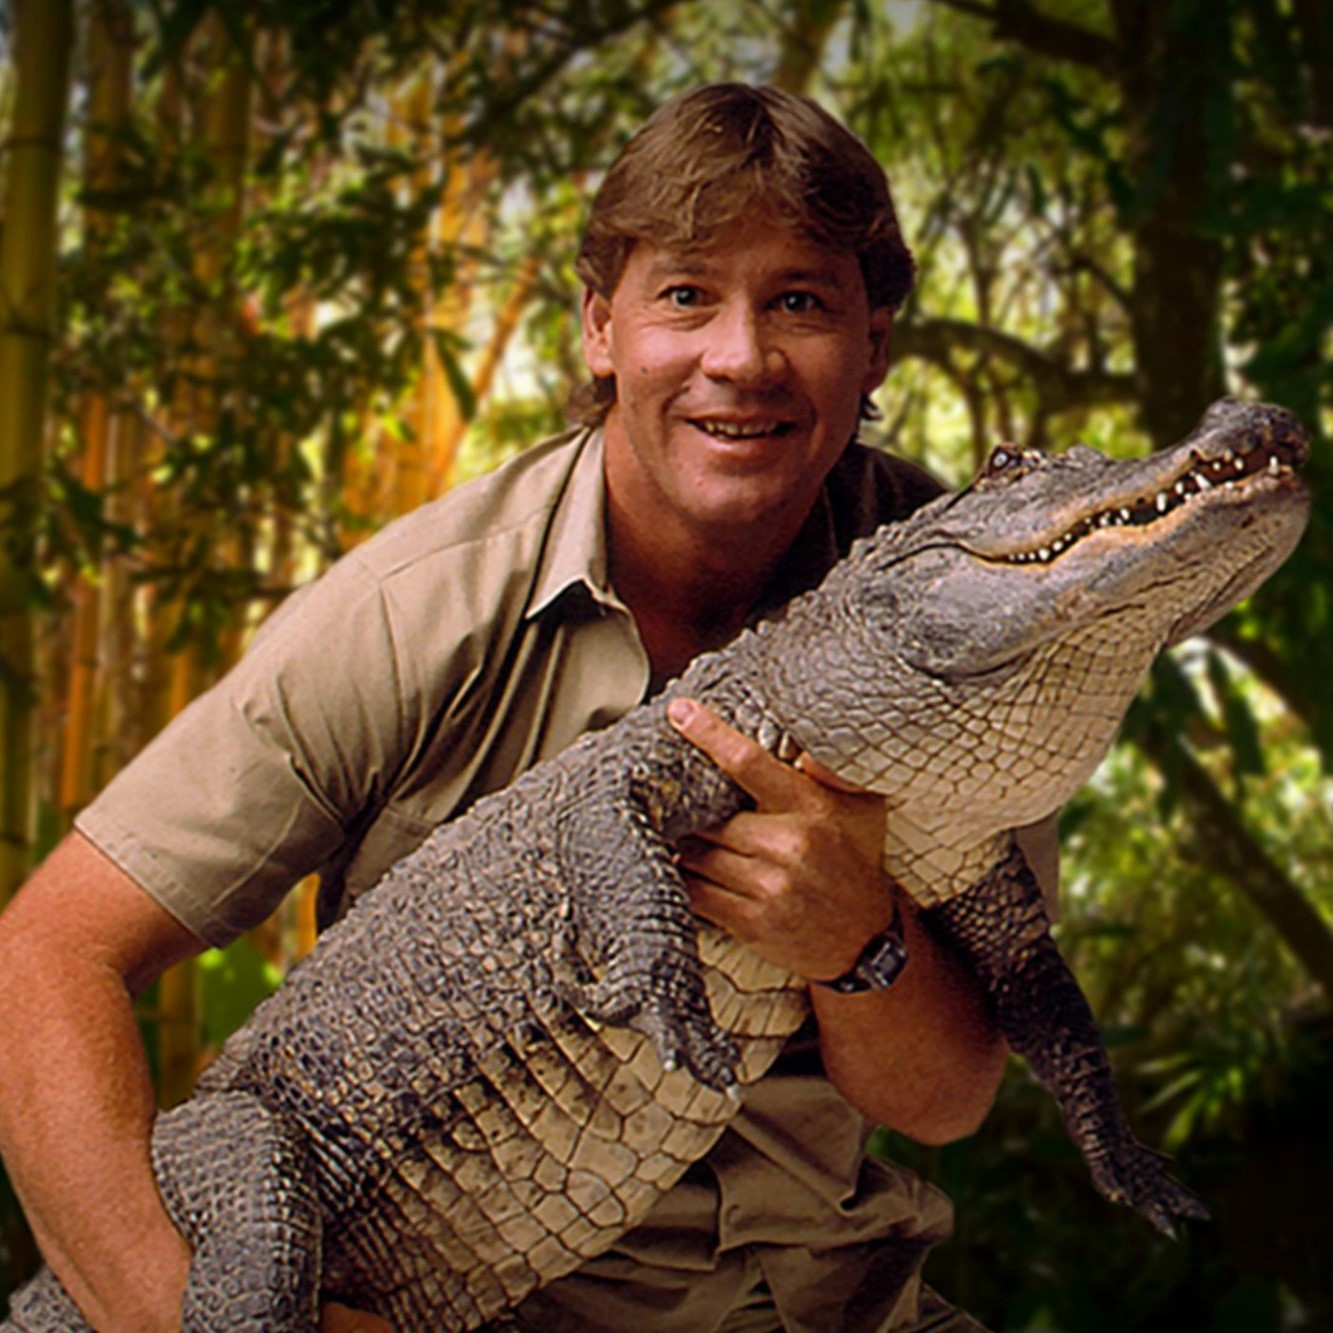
(42,46)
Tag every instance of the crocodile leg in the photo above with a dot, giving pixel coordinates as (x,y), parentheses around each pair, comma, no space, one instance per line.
(1002,929)
(239,1184)
(634,940)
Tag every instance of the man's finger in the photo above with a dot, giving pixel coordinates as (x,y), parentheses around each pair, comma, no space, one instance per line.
(732,912)
(745,761)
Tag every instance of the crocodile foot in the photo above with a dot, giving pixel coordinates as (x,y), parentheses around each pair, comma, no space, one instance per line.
(690,1041)
(1133,1174)
(675,1018)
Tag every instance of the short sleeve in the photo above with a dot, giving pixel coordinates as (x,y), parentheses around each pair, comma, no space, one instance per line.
(259,782)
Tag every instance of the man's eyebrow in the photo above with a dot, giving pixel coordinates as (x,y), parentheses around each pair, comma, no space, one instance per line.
(698,263)
(822,276)
(674,262)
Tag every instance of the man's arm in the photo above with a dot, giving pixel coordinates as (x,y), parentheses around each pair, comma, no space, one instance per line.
(925,1057)
(76,1103)
(799,880)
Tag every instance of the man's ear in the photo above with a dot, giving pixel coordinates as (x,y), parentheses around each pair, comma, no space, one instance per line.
(596,316)
(881,335)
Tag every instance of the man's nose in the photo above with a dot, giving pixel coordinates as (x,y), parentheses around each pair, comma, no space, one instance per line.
(739,347)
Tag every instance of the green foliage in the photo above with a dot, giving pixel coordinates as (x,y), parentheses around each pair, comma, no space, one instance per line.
(232,981)
(1036,1251)
(1196,1000)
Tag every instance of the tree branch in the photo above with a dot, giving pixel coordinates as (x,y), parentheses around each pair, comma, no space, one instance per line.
(1228,849)
(1061,387)
(1022,22)
(1297,689)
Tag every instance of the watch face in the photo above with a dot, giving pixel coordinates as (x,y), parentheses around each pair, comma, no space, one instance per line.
(882,962)
(878,967)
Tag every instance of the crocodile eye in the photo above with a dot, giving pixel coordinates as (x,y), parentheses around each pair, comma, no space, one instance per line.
(1010,461)
(1003,458)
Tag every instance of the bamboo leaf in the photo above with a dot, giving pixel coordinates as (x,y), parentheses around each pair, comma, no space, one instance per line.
(460,385)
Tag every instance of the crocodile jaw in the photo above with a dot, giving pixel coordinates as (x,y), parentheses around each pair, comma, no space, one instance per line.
(1044,545)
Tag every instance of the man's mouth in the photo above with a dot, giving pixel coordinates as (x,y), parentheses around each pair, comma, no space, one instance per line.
(757,429)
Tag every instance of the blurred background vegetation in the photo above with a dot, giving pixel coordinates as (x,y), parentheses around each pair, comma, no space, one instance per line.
(274,271)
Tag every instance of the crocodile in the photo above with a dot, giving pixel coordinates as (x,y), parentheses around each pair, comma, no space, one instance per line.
(507,1051)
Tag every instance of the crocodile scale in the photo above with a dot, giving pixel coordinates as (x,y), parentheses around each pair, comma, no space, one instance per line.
(505,1054)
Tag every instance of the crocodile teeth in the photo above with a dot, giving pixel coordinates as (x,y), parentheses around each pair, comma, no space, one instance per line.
(1228,470)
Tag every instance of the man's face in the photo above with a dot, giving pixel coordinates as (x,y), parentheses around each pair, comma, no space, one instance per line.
(739,370)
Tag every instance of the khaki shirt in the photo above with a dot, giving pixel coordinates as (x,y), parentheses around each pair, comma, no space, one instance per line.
(465,642)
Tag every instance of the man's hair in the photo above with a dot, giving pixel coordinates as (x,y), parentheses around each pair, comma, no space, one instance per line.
(713,156)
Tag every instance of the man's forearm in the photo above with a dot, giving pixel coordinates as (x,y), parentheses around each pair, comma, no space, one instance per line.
(925,1057)
(75,1116)
(76,1102)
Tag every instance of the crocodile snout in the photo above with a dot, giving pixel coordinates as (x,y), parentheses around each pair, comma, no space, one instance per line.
(1264,427)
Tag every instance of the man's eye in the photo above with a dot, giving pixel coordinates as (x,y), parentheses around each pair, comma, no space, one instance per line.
(682,297)
(800,303)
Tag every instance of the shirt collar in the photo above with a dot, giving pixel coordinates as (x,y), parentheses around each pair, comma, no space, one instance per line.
(575,551)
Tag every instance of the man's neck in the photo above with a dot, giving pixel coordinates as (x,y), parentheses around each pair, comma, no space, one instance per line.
(689,594)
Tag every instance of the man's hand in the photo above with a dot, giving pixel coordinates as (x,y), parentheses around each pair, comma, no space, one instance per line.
(798,879)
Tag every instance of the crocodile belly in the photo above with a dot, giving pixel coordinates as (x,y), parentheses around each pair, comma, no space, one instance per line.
(552,1149)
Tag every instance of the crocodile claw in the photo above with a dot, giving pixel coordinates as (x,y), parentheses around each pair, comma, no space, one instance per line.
(1135,1175)
(683,1034)
(694,1043)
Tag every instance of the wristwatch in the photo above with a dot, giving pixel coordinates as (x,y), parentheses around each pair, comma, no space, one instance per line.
(877,966)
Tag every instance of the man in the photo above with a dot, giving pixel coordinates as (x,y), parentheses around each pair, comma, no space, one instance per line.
(742,264)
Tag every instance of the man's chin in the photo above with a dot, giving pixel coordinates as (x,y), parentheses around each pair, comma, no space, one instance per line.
(748,511)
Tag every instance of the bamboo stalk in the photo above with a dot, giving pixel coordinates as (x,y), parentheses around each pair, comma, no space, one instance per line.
(119,724)
(42,47)
(408,470)
(111,43)
(76,740)
(449,435)
(227,139)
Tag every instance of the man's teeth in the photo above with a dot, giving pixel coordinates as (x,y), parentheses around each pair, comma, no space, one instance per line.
(736,430)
